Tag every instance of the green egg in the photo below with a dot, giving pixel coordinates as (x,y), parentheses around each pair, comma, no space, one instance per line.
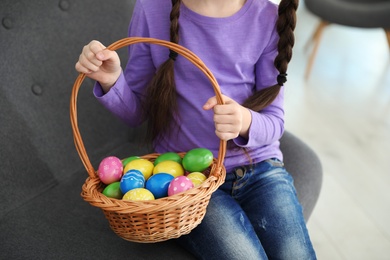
(168,156)
(129,159)
(197,160)
(113,191)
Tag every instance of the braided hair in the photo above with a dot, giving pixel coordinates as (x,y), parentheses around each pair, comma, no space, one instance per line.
(285,26)
(161,93)
(160,105)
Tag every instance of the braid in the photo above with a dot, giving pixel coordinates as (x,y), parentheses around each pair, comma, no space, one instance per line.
(160,104)
(285,26)
(175,13)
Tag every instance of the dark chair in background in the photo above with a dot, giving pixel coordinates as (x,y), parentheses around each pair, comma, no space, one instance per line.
(42,215)
(355,13)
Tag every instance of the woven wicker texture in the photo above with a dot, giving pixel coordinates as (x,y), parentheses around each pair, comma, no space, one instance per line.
(164,218)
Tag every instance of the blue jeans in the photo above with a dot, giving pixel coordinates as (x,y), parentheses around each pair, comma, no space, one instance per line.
(254,215)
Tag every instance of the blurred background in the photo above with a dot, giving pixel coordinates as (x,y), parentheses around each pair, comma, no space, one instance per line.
(342,110)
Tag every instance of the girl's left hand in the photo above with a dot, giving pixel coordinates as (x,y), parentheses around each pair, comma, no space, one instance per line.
(231,119)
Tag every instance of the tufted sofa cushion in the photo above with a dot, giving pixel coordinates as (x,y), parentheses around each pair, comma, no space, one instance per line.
(42,215)
(40,43)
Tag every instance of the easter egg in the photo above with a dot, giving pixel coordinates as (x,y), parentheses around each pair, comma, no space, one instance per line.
(135,173)
(197,160)
(138,194)
(129,159)
(131,180)
(143,165)
(110,170)
(197,178)
(158,184)
(179,184)
(113,190)
(169,156)
(171,167)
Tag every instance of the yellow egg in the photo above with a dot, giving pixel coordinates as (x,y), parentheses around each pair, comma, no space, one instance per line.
(171,167)
(138,194)
(197,178)
(143,165)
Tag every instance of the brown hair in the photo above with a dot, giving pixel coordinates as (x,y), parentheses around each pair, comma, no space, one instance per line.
(285,26)
(161,104)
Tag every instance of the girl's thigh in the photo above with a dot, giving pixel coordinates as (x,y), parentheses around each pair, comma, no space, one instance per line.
(225,233)
(270,202)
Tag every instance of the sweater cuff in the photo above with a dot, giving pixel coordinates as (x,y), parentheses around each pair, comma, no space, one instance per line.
(98,89)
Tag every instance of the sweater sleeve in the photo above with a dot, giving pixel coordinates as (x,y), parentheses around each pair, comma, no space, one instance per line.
(124,99)
(268,124)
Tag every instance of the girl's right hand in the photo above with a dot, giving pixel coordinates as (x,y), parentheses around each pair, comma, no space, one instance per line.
(100,64)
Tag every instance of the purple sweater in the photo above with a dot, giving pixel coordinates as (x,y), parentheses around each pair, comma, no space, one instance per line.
(239,50)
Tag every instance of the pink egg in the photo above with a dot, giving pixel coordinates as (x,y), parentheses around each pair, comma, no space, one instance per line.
(179,184)
(110,170)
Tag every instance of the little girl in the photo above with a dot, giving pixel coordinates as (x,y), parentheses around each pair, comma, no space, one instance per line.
(247,44)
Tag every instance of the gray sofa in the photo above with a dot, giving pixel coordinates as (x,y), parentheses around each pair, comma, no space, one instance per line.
(42,215)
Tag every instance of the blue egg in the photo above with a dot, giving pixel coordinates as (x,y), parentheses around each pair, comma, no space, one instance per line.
(131,180)
(135,172)
(158,184)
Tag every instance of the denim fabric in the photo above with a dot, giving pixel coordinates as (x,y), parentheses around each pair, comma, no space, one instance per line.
(255,215)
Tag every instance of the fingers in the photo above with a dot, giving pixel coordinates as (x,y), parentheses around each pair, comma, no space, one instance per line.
(227,117)
(227,126)
(231,119)
(99,64)
(88,61)
(211,103)
(92,57)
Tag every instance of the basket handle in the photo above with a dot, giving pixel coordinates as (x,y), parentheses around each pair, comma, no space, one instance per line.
(122,43)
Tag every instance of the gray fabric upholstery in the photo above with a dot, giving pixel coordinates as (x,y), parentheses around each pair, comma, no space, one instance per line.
(356,13)
(42,215)
(304,165)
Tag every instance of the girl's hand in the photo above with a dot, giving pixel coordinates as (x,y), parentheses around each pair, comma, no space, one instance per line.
(99,64)
(231,119)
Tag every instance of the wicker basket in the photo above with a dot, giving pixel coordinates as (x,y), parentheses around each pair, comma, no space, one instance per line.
(164,218)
